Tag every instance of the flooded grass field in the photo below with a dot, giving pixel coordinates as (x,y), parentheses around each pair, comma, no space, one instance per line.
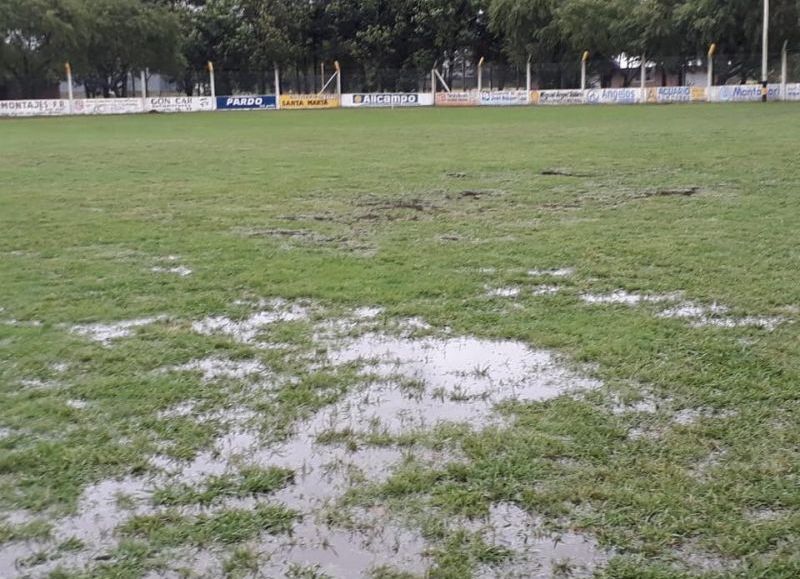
(395,344)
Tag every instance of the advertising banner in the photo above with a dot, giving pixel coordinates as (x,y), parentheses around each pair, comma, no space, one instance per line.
(742,93)
(792,92)
(560,97)
(34,108)
(503,98)
(246,103)
(699,94)
(387,100)
(107,106)
(614,96)
(309,101)
(179,104)
(456,99)
(673,94)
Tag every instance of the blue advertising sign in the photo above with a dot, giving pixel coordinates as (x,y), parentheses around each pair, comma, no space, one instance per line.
(246,103)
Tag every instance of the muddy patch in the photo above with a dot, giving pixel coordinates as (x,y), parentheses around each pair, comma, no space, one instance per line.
(673,192)
(408,209)
(472,194)
(105,334)
(563,172)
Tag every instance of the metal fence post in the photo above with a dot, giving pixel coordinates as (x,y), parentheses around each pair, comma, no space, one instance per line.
(69,86)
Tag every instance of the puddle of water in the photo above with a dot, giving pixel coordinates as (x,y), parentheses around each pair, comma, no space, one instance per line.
(694,558)
(368,313)
(644,406)
(179,270)
(463,379)
(22,323)
(503,292)
(714,315)
(59,367)
(545,290)
(38,384)
(689,416)
(216,368)
(537,554)
(623,297)
(246,330)
(98,514)
(559,272)
(181,410)
(454,379)
(106,333)
(766,514)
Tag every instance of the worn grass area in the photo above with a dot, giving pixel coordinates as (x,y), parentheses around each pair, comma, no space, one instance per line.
(417,212)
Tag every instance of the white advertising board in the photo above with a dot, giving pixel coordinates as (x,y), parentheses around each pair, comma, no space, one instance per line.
(559,97)
(792,92)
(387,100)
(742,93)
(673,94)
(34,108)
(614,96)
(107,106)
(179,104)
(503,98)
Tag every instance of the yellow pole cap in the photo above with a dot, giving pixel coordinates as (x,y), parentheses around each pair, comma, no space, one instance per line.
(712,50)
(210,66)
(336,66)
(480,62)
(68,68)
(585,56)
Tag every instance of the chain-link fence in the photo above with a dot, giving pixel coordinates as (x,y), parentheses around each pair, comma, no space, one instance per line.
(463,75)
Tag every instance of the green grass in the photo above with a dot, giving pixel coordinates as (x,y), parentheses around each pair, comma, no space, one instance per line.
(405,210)
(229,527)
(252,481)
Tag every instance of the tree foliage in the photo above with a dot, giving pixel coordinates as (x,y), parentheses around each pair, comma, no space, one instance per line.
(106,40)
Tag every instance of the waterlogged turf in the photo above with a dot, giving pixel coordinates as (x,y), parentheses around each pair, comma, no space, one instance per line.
(495,343)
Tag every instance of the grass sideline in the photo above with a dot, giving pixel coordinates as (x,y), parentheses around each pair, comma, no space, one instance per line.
(417,211)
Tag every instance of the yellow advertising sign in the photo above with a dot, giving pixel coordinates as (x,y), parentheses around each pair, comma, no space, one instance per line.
(534,98)
(309,101)
(698,94)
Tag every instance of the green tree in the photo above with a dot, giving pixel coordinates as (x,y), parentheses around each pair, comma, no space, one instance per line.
(127,36)
(36,38)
